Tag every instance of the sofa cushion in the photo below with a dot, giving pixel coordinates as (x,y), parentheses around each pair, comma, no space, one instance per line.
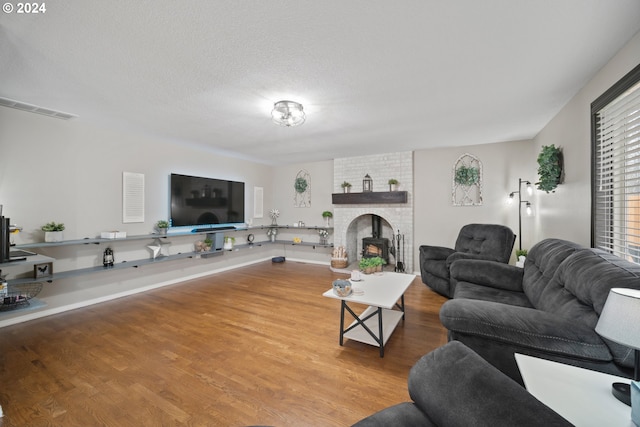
(473,291)
(580,288)
(526,327)
(543,260)
(493,241)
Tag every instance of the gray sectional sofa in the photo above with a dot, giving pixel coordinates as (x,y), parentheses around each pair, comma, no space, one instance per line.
(547,309)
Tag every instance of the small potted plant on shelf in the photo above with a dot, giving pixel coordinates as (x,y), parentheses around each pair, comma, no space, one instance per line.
(203,245)
(53,232)
(393,184)
(521,255)
(162,226)
(346,187)
(228,243)
(327,215)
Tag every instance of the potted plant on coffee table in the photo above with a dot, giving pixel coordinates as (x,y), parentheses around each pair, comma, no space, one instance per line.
(53,232)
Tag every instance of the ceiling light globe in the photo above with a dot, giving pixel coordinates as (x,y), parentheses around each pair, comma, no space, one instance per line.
(288,113)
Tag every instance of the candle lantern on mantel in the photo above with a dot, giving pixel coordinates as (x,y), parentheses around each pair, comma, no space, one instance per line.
(367,184)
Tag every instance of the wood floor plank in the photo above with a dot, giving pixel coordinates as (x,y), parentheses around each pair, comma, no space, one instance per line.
(255,345)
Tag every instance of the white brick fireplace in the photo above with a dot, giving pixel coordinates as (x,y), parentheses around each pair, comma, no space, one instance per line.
(352,222)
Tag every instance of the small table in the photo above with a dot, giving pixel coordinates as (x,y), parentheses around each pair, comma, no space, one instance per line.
(583,397)
(381,292)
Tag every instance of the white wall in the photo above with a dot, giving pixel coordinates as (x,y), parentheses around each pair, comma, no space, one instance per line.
(437,221)
(320,182)
(71,172)
(567,212)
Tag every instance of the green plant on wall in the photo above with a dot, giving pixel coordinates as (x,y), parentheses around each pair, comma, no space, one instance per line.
(467,175)
(549,168)
(300,185)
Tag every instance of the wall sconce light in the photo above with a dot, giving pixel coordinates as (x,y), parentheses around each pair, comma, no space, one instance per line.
(288,113)
(528,207)
(367,184)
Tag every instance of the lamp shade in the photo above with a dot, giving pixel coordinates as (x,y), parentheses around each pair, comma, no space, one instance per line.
(620,317)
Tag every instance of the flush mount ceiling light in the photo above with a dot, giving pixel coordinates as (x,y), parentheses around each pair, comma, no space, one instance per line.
(288,113)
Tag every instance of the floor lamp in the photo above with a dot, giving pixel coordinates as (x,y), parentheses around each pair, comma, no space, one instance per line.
(520,202)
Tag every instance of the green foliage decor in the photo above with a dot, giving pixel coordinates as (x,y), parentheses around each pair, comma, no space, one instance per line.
(549,168)
(467,175)
(162,224)
(521,252)
(345,185)
(53,226)
(327,214)
(371,262)
(301,185)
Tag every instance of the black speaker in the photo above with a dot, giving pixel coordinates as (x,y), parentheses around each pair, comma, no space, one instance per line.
(4,239)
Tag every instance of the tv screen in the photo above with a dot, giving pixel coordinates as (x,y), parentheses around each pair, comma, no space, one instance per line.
(205,202)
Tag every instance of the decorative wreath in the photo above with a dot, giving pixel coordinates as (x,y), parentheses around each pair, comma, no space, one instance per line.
(467,175)
(301,185)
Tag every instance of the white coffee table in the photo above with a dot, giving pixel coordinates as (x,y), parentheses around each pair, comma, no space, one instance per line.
(381,292)
(583,397)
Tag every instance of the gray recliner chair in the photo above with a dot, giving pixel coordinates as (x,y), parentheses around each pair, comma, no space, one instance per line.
(491,242)
(453,386)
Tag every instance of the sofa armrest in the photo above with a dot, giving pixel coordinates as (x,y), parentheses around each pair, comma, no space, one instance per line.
(435,252)
(456,387)
(525,327)
(488,273)
(404,414)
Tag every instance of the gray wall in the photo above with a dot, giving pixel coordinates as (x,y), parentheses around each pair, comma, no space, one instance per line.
(567,212)
(437,221)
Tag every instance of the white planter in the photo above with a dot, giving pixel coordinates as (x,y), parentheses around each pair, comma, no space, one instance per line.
(521,260)
(53,236)
(228,246)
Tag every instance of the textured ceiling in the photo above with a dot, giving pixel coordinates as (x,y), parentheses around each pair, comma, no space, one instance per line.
(373,76)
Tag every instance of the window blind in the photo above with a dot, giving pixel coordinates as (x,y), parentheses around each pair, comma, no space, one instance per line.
(616,170)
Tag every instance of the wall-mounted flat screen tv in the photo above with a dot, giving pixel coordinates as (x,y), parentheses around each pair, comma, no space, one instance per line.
(205,202)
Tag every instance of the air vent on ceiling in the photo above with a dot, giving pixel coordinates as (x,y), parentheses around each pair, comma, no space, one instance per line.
(6,102)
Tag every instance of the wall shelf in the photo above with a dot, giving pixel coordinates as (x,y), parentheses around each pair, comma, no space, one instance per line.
(37,259)
(372,197)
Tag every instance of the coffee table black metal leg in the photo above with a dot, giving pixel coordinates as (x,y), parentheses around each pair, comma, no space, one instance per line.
(380,332)
(342,306)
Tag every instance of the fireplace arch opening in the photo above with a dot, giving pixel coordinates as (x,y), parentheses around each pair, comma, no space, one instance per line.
(370,235)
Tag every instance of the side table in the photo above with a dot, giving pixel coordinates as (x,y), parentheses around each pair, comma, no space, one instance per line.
(583,397)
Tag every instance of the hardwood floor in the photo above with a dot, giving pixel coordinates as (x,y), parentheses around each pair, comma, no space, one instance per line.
(255,345)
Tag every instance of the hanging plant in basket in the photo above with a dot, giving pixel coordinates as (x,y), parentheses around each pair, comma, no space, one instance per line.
(300,185)
(467,175)
(549,168)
